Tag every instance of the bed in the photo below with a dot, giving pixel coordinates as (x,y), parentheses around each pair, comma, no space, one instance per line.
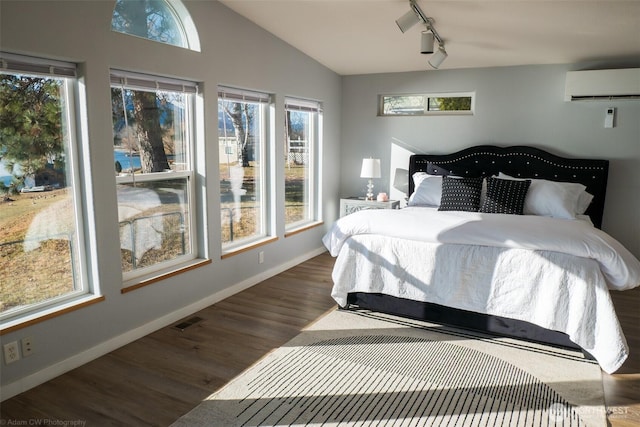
(541,272)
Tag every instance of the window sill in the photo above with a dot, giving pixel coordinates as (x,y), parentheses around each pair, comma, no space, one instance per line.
(240,249)
(138,283)
(432,113)
(302,228)
(49,313)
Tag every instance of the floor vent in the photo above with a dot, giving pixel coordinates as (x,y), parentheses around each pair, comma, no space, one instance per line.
(184,325)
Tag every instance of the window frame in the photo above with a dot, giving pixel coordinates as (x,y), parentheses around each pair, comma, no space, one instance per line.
(265,102)
(183,22)
(427,97)
(293,103)
(126,80)
(72,123)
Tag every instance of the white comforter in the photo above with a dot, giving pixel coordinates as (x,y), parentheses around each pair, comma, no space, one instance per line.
(550,272)
(573,237)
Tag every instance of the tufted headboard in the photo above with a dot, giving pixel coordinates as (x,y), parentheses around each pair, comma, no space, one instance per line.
(519,162)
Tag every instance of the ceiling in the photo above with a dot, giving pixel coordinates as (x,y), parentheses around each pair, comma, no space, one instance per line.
(361,36)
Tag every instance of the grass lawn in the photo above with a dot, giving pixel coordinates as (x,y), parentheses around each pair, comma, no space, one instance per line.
(39,271)
(43,270)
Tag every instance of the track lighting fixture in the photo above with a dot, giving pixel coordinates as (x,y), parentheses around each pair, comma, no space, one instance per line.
(414,16)
(407,21)
(438,57)
(426,43)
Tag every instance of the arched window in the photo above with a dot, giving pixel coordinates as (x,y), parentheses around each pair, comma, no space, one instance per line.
(164,21)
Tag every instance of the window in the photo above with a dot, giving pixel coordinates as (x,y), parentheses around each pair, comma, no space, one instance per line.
(41,244)
(242,137)
(153,143)
(424,105)
(302,133)
(164,21)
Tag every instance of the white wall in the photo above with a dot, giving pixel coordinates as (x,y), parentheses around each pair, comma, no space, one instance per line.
(235,52)
(519,105)
(514,106)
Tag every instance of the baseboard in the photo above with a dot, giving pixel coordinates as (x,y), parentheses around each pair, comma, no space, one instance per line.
(108,346)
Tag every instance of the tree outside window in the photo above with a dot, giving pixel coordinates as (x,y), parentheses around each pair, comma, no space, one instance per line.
(301,138)
(40,243)
(243,189)
(152,145)
(423,105)
(151,19)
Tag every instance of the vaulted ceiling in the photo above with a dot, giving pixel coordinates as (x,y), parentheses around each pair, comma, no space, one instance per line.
(361,36)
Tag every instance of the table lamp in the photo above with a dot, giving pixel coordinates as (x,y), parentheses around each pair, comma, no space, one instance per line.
(370,169)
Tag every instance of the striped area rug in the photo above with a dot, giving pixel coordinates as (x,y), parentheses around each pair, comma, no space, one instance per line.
(365,369)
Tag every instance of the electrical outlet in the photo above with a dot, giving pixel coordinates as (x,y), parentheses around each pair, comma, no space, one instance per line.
(11,353)
(261,257)
(27,346)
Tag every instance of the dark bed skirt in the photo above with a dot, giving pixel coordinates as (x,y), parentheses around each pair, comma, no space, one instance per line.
(494,325)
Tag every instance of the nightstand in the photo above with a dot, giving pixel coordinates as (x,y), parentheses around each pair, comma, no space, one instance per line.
(354,204)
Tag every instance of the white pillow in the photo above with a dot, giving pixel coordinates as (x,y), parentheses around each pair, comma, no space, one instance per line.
(554,199)
(427,190)
(583,202)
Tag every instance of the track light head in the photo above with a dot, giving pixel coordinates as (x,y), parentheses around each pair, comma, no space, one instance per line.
(429,35)
(426,42)
(407,21)
(438,57)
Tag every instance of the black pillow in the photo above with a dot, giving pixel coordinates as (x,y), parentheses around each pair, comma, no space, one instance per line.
(460,194)
(505,196)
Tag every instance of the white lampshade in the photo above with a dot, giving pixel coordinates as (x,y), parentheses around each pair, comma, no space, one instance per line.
(407,21)
(438,58)
(426,42)
(370,168)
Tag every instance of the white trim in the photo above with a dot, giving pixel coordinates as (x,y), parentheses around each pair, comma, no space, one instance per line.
(72,146)
(184,23)
(75,361)
(262,143)
(299,104)
(23,64)
(426,97)
(128,80)
(60,304)
(313,135)
(150,82)
(128,178)
(228,93)
(188,26)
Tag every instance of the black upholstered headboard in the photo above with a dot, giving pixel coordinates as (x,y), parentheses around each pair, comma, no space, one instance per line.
(522,162)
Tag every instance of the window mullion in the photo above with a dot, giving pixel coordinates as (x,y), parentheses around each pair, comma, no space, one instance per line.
(157,210)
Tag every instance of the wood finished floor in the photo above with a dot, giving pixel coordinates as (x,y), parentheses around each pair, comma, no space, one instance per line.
(160,377)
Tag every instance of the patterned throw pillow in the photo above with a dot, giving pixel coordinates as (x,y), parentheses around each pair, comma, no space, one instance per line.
(505,196)
(460,194)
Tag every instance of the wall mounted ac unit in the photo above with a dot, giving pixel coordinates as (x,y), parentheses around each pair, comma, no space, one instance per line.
(602,84)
